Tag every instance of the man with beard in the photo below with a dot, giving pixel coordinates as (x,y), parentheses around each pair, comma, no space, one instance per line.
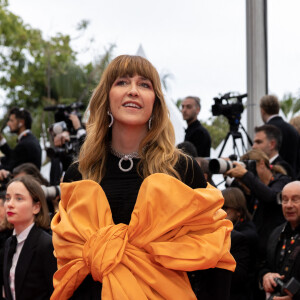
(195,133)
(27,149)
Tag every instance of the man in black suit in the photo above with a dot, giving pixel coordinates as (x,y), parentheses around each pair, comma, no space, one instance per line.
(28,148)
(195,133)
(268,138)
(269,107)
(283,255)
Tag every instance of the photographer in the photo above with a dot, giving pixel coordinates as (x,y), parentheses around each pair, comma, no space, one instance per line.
(67,139)
(27,149)
(283,255)
(261,187)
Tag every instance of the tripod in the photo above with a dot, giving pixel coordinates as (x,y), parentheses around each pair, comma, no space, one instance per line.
(236,134)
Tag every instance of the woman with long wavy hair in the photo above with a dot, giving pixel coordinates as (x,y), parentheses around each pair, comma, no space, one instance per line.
(135,212)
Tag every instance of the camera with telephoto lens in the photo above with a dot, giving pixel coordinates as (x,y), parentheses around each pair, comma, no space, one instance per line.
(281,289)
(51,192)
(63,123)
(221,166)
(69,147)
(62,113)
(231,107)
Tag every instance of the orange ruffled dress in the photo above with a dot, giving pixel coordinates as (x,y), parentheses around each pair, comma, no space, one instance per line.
(173,229)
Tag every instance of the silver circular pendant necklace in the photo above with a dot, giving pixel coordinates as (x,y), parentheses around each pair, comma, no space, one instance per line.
(125,157)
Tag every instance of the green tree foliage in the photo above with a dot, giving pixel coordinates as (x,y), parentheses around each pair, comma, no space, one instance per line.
(28,63)
(35,72)
(217,129)
(290,105)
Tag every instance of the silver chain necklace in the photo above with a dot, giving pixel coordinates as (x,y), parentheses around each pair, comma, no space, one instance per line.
(123,157)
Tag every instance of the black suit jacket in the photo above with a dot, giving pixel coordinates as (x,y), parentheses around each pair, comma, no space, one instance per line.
(28,149)
(199,136)
(262,203)
(290,140)
(35,267)
(280,161)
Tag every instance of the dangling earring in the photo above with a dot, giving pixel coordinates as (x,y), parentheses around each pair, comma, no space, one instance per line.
(150,123)
(111,118)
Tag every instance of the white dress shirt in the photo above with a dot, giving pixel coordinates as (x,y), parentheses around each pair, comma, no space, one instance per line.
(21,238)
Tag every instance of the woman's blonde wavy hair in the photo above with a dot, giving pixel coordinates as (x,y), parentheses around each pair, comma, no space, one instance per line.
(157,150)
(258,155)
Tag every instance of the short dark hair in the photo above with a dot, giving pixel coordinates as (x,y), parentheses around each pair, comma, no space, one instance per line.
(272,133)
(196,99)
(23,114)
(30,169)
(188,148)
(270,104)
(235,198)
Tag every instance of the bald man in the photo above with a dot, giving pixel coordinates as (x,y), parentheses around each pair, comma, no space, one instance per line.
(283,254)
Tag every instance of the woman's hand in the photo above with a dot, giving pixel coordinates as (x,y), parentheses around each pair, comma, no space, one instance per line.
(61,138)
(75,121)
(3,174)
(238,171)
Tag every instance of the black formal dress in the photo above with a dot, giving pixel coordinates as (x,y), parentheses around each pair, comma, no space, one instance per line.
(290,141)
(199,136)
(27,150)
(35,267)
(121,190)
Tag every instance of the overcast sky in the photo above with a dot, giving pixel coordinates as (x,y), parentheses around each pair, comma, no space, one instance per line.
(202,43)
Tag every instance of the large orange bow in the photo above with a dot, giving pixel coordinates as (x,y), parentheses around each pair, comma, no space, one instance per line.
(173,229)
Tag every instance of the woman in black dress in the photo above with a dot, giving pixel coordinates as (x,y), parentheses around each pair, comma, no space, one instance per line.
(129,138)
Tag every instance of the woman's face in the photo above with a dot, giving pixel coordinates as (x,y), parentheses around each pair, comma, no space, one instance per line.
(19,206)
(131,101)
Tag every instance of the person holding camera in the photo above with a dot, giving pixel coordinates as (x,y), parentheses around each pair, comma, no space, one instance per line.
(280,275)
(67,142)
(261,187)
(261,183)
(28,148)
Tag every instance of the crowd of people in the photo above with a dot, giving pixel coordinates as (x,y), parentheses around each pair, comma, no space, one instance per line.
(138,217)
(253,202)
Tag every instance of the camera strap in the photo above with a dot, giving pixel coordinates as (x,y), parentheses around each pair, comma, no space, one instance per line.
(288,254)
